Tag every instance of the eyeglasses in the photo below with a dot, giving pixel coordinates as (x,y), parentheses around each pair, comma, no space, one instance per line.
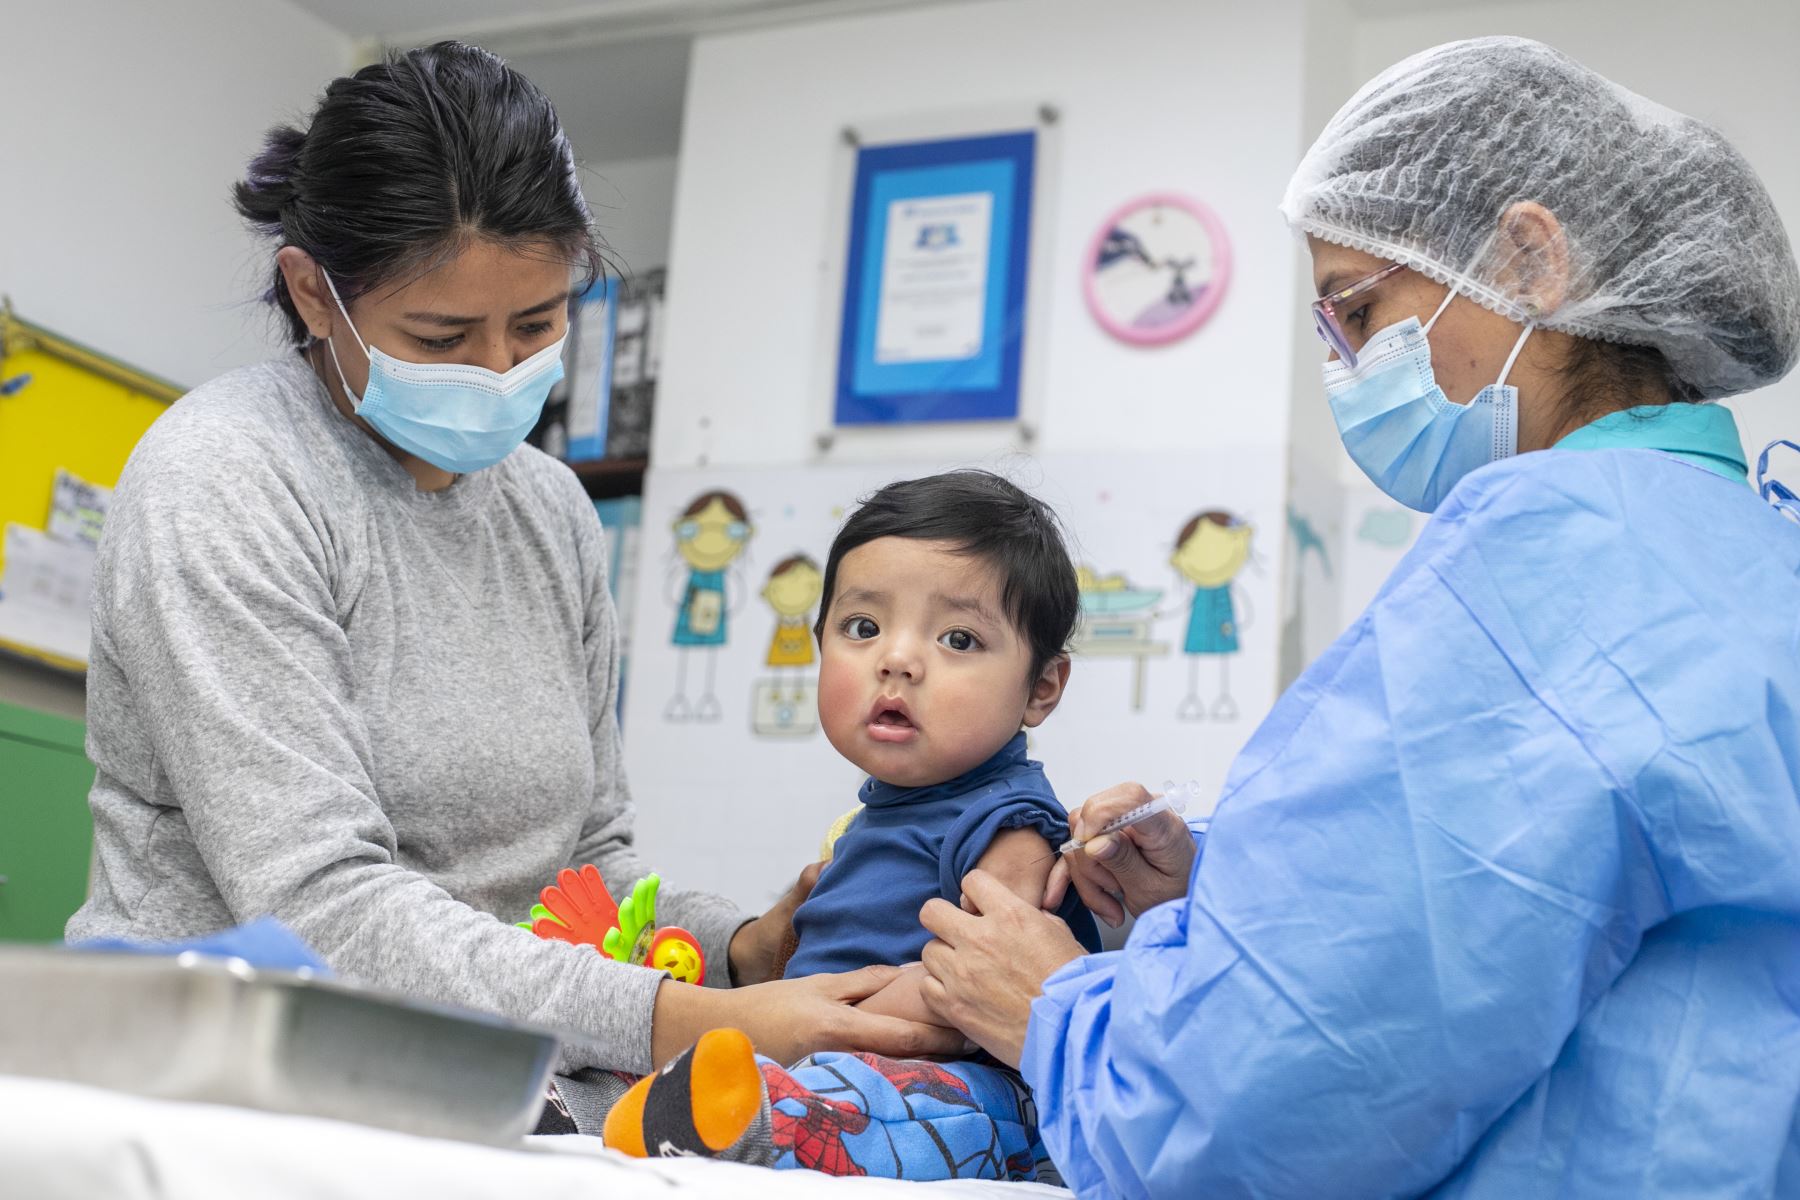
(1773,490)
(1325,311)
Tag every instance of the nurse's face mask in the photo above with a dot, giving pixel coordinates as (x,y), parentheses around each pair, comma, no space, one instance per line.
(456,416)
(1409,438)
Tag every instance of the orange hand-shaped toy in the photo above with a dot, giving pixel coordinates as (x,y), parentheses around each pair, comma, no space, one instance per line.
(577,908)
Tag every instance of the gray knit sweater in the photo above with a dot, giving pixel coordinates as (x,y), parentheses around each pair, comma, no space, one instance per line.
(385,716)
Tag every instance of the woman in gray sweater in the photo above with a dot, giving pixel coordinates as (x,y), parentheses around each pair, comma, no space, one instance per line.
(354,660)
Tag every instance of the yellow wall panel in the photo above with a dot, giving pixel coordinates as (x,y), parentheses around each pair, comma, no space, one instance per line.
(80,411)
(65,417)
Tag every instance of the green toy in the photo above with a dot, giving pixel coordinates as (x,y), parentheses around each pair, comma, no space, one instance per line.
(578,909)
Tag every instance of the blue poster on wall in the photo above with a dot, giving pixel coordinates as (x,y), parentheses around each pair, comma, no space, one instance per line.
(934,281)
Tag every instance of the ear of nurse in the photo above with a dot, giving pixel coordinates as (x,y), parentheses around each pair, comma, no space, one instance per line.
(1528,260)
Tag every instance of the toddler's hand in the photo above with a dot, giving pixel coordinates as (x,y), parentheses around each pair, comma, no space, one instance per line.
(901,998)
(757,947)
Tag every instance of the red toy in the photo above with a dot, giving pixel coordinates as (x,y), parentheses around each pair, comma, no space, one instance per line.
(578,909)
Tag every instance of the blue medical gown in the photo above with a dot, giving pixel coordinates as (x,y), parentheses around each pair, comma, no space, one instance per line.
(1503,899)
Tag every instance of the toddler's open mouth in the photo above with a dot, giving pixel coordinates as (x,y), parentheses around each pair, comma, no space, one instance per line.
(891,721)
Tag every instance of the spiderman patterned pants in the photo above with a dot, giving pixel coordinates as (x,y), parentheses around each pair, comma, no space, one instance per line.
(860,1114)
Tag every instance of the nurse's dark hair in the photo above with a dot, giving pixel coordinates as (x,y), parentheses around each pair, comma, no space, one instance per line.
(406,161)
(1597,378)
(988,519)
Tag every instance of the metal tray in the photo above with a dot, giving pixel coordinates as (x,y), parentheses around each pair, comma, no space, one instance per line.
(216,1030)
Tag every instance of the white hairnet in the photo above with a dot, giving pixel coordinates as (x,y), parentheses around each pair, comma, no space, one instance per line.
(1672,241)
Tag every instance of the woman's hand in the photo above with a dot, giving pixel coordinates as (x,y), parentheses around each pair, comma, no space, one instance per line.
(901,998)
(756,948)
(1142,865)
(988,964)
(791,1018)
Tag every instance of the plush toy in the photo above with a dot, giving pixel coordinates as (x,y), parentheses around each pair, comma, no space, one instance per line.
(578,909)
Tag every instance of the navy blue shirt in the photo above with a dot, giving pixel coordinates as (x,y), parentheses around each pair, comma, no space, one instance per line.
(910,844)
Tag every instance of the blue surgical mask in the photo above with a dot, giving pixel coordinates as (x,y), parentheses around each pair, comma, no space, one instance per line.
(455,416)
(1411,440)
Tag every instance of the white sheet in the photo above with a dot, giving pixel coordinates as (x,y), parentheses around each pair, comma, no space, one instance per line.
(62,1141)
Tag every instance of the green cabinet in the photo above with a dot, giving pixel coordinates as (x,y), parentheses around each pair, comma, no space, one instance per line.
(46,834)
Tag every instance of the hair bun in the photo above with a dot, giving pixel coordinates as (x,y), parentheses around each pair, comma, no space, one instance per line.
(269,185)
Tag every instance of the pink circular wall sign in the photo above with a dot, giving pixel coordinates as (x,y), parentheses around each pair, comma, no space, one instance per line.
(1156,269)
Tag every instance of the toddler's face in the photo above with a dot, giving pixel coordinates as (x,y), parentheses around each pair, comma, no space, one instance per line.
(922,676)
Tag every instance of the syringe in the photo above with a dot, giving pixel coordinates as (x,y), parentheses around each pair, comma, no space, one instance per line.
(1175,798)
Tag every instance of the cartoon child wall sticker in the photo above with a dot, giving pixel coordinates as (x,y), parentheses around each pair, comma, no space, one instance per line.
(709,537)
(1212,548)
(779,704)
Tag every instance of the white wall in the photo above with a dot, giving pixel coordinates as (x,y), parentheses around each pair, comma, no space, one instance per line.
(621,103)
(634,208)
(126,126)
(1155,94)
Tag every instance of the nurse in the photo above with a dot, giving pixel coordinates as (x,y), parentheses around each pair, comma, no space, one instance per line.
(354,661)
(1502,899)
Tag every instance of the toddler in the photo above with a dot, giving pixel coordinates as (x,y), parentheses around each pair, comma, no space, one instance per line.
(948,605)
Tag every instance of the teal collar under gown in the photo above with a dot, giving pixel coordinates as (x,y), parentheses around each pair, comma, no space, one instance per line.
(1502,899)
(1703,434)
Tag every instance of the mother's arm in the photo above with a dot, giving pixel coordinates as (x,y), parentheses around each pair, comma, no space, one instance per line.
(220,614)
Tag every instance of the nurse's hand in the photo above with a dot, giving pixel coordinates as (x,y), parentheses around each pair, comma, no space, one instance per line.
(1135,869)
(757,946)
(791,1018)
(988,964)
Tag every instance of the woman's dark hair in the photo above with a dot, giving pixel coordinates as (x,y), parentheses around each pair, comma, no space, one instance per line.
(986,518)
(406,161)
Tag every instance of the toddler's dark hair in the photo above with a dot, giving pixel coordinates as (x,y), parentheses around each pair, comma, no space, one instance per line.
(987,518)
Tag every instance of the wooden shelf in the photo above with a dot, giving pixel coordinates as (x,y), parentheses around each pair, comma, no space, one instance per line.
(611,477)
